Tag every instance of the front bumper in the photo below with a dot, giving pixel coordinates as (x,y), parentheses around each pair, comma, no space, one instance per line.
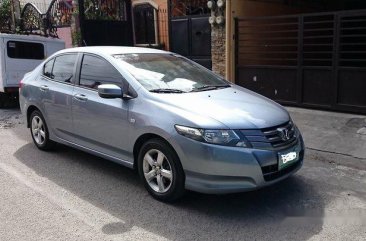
(220,169)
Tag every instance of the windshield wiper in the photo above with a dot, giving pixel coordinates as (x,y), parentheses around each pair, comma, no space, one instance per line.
(167,91)
(210,87)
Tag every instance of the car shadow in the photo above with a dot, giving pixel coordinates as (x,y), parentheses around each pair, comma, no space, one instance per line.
(289,210)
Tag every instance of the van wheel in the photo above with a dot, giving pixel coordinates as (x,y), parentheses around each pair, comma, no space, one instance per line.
(39,131)
(161,171)
(8,100)
(3,100)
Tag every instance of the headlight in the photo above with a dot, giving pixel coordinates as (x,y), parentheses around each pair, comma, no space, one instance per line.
(218,137)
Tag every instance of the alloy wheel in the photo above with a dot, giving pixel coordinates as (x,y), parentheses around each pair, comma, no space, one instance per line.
(38,130)
(157,171)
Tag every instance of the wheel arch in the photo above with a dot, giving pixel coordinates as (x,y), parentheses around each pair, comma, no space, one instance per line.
(143,139)
(30,110)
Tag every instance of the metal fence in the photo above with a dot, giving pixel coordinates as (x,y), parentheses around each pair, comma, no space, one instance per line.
(35,21)
(315,60)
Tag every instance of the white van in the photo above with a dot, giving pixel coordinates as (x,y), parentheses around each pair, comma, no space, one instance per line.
(20,54)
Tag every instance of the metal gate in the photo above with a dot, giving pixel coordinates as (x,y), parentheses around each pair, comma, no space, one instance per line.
(309,60)
(190,31)
(57,15)
(106,22)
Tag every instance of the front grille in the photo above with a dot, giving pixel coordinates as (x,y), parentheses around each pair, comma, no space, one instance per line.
(271,172)
(272,138)
(274,175)
(274,135)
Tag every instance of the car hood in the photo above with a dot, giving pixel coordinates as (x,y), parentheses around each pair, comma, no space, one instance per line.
(235,107)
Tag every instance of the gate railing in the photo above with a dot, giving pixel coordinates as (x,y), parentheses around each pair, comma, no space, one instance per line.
(58,14)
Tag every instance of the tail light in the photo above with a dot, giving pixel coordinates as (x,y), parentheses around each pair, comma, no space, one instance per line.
(20,84)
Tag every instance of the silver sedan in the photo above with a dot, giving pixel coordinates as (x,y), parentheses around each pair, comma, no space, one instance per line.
(179,124)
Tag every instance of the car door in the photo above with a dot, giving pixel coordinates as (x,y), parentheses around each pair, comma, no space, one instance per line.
(57,85)
(100,124)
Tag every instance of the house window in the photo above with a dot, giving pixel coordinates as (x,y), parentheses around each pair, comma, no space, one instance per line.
(145,24)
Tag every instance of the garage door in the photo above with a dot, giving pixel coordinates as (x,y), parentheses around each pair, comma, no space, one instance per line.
(309,60)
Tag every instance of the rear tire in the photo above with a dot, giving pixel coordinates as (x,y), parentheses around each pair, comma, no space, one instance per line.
(39,132)
(161,171)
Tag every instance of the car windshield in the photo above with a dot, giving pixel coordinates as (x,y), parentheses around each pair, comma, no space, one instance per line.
(168,73)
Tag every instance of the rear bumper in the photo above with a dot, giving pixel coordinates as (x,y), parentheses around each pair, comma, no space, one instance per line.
(217,169)
(10,90)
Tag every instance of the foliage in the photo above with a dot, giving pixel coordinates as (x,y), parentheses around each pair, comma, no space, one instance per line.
(76,38)
(5,9)
(5,15)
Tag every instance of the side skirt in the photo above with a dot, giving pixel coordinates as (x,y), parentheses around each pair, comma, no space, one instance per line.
(96,153)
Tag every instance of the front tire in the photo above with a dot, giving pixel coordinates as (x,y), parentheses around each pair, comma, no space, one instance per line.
(39,132)
(161,171)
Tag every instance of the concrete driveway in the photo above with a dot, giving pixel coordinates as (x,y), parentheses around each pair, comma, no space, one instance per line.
(71,195)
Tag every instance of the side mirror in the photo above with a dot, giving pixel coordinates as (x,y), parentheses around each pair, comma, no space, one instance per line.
(110,91)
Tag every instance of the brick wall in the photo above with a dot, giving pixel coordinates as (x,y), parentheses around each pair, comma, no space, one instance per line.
(163,23)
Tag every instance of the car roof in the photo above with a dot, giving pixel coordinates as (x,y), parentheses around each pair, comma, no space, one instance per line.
(112,50)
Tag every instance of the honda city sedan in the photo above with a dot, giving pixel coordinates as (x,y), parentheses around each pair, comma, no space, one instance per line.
(179,124)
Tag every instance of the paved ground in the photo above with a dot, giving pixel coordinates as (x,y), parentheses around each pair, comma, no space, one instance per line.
(334,133)
(70,195)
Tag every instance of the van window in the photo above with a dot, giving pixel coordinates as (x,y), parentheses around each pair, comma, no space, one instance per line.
(25,50)
(63,68)
(96,71)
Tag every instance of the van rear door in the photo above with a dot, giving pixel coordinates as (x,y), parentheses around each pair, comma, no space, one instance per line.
(21,57)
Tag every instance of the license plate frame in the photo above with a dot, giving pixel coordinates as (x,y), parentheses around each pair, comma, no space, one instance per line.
(286,159)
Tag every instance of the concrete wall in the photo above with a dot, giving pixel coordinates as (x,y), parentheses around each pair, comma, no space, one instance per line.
(65,34)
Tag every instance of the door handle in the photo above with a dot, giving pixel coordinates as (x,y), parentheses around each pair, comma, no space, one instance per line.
(44,88)
(80,97)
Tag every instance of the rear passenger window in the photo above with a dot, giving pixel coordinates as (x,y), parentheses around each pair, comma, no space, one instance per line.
(47,69)
(63,68)
(96,71)
(25,50)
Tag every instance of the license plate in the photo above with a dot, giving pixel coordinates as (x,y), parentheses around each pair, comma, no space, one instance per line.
(286,159)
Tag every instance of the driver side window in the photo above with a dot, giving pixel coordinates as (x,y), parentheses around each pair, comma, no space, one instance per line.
(96,71)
